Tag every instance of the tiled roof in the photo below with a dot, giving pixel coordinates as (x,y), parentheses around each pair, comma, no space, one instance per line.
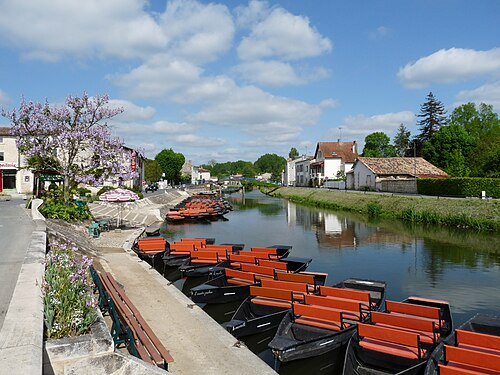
(4,131)
(342,150)
(402,166)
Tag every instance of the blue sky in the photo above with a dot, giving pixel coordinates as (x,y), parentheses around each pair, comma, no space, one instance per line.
(233,80)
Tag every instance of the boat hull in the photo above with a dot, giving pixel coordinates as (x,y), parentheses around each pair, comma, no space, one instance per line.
(251,319)
(219,291)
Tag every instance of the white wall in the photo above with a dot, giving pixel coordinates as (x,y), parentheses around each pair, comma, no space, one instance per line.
(363,177)
(332,167)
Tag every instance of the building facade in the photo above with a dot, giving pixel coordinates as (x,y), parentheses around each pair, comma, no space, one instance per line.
(332,160)
(14,178)
(303,171)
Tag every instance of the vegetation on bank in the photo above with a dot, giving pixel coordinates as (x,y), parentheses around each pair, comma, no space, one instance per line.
(69,302)
(483,215)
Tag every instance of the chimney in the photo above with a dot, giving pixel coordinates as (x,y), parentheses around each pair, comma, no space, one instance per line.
(338,140)
(354,147)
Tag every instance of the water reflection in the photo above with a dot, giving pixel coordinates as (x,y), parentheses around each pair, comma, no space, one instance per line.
(459,266)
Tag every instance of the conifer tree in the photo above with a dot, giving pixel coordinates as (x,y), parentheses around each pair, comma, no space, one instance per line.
(433,116)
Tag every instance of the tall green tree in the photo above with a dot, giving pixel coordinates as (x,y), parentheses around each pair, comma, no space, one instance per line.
(271,163)
(171,164)
(293,154)
(449,149)
(377,145)
(483,127)
(401,140)
(152,170)
(433,116)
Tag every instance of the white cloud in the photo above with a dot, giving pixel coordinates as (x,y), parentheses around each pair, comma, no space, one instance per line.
(277,73)
(253,111)
(131,111)
(247,16)
(49,30)
(159,77)
(328,103)
(451,65)
(4,99)
(356,128)
(196,31)
(282,34)
(488,93)
(379,32)
(193,140)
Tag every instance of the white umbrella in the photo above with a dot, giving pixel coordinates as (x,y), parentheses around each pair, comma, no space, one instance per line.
(119,196)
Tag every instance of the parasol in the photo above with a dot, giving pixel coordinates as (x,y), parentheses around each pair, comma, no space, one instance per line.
(118,196)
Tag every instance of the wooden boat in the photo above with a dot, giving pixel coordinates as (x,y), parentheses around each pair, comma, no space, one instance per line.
(234,285)
(326,322)
(400,339)
(266,306)
(274,252)
(179,252)
(200,207)
(473,348)
(150,249)
(202,261)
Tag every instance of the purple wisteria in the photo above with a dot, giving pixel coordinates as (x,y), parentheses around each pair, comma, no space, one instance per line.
(74,136)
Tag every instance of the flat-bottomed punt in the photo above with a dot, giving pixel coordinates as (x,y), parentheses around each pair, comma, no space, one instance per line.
(473,348)
(400,339)
(327,321)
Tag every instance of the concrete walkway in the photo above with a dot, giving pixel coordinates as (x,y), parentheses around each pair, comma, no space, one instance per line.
(198,344)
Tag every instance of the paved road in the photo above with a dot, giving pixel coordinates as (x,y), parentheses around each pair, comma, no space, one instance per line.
(16,227)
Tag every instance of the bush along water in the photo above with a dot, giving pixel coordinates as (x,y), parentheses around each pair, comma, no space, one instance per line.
(69,302)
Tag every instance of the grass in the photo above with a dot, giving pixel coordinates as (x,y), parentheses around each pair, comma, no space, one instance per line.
(471,213)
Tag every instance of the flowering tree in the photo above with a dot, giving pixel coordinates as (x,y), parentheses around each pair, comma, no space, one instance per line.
(74,139)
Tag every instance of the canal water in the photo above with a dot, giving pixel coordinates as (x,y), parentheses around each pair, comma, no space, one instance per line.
(459,266)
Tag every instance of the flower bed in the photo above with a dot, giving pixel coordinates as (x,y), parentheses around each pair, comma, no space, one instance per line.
(69,302)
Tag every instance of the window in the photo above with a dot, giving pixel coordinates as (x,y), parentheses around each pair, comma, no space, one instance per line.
(1,139)
(1,155)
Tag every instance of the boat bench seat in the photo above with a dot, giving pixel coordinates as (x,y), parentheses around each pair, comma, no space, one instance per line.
(236,281)
(142,340)
(478,341)
(390,341)
(425,328)
(474,362)
(272,302)
(350,309)
(318,316)
(420,311)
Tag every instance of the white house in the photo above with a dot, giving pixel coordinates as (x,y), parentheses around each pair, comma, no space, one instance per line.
(199,175)
(290,173)
(303,171)
(396,175)
(332,160)
(13,178)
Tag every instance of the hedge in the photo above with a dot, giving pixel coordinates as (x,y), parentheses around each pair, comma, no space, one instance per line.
(460,186)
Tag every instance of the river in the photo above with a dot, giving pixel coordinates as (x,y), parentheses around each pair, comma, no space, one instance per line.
(459,266)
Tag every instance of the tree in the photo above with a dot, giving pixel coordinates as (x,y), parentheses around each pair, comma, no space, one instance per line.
(449,150)
(271,163)
(171,164)
(73,138)
(483,127)
(377,145)
(401,140)
(152,170)
(293,154)
(433,116)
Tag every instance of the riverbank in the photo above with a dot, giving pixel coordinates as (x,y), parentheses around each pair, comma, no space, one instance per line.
(471,213)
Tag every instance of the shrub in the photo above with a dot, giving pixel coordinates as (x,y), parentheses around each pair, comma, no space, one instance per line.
(374,209)
(71,212)
(69,302)
(461,186)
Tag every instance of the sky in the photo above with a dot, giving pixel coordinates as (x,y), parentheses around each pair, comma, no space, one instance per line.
(234,80)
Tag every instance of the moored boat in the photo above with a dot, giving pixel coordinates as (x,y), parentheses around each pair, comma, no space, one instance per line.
(400,339)
(234,285)
(323,323)
(474,347)
(266,306)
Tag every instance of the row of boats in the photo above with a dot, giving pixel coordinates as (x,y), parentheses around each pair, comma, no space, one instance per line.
(199,207)
(380,336)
